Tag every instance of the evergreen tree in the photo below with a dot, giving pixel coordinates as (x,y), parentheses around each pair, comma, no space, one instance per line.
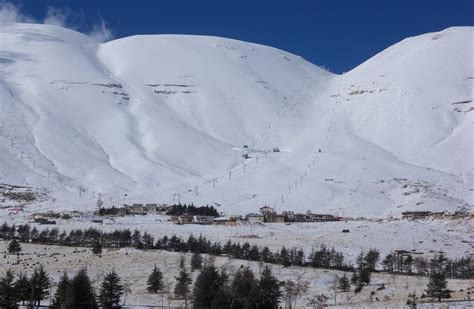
(183,281)
(110,291)
(371,259)
(22,287)
(82,293)
(244,288)
(8,293)
(343,283)
(284,257)
(196,261)
(155,281)
(354,278)
(61,297)
(97,248)
(14,247)
(207,284)
(182,262)
(39,283)
(268,289)
(412,300)
(437,286)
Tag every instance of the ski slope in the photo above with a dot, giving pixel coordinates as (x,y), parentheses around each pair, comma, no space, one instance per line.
(168,118)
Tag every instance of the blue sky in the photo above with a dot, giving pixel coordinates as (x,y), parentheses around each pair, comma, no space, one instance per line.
(336,34)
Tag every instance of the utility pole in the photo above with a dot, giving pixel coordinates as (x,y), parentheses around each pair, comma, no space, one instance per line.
(230,175)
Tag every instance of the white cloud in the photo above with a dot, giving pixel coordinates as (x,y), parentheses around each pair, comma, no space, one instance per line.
(100,33)
(57,17)
(10,13)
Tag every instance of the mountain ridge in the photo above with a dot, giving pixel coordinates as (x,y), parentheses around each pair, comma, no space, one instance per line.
(162,117)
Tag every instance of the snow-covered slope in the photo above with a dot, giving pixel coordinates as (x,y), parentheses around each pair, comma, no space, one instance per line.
(166,117)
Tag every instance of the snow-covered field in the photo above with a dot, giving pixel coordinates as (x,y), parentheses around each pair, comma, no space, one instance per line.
(134,267)
(157,119)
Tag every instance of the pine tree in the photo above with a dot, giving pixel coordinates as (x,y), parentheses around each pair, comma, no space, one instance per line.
(207,284)
(244,288)
(8,293)
(184,280)
(39,283)
(343,283)
(14,247)
(268,289)
(371,259)
(437,286)
(155,281)
(412,300)
(97,248)
(82,294)
(196,261)
(22,287)
(284,257)
(61,297)
(110,291)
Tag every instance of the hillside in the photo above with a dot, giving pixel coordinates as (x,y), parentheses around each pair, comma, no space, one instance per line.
(164,118)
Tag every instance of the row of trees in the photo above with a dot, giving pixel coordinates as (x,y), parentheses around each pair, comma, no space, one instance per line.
(399,262)
(181,209)
(76,292)
(31,290)
(213,288)
(321,257)
(404,263)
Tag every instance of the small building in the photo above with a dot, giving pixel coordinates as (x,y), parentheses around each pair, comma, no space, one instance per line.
(137,209)
(151,208)
(300,218)
(44,221)
(203,219)
(278,219)
(254,218)
(265,210)
(323,218)
(225,221)
(416,214)
(185,219)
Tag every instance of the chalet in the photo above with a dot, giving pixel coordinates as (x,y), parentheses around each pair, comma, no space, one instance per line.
(203,219)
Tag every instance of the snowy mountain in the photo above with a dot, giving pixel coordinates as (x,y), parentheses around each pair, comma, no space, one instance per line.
(170,117)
